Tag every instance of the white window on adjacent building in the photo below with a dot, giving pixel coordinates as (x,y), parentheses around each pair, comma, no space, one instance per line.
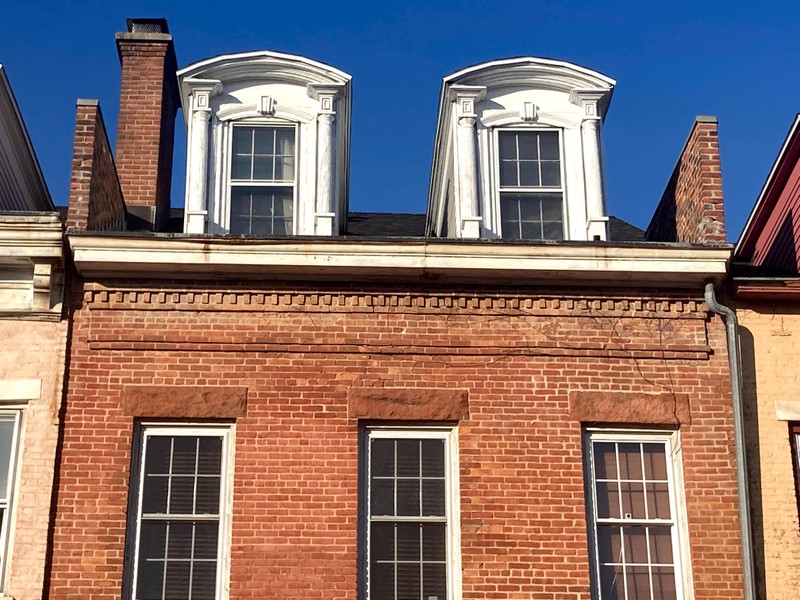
(182,499)
(531,184)
(638,548)
(412,545)
(9,434)
(262,180)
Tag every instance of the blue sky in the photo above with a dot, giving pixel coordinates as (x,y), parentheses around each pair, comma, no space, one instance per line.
(672,61)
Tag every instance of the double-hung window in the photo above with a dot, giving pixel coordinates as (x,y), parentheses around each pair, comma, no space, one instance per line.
(412,533)
(531,189)
(794,432)
(9,434)
(634,508)
(262,180)
(181,500)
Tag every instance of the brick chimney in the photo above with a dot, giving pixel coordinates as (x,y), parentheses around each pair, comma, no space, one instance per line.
(149,101)
(691,208)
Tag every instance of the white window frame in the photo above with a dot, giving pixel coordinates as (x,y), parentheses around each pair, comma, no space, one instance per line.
(8,505)
(227,166)
(498,188)
(153,429)
(680,532)
(452,506)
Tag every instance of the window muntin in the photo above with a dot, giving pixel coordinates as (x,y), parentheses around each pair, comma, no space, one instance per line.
(181,501)
(262,180)
(9,434)
(531,191)
(409,515)
(634,517)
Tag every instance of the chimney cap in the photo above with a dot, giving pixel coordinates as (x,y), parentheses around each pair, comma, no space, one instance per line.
(147,25)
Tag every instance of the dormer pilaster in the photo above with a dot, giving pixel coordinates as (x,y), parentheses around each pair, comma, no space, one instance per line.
(325,208)
(464,98)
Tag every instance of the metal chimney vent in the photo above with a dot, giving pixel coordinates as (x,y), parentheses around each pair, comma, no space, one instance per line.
(147,25)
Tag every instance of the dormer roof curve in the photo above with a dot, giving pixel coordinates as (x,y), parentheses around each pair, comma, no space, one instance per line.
(262,65)
(534,73)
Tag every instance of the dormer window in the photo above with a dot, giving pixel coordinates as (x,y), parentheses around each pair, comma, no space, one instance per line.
(531,192)
(262,180)
(268,145)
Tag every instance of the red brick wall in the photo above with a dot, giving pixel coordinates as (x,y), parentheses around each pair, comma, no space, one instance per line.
(691,208)
(145,132)
(520,356)
(95,198)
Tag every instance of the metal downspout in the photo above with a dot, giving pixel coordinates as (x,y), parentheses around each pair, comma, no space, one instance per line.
(735,364)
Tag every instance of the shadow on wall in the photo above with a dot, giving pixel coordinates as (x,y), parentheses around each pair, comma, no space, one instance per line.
(750,401)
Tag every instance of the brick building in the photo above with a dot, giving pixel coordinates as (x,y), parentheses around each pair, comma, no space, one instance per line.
(271,397)
(764,285)
(34,335)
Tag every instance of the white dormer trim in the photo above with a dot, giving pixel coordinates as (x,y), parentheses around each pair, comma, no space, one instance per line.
(520,94)
(268,89)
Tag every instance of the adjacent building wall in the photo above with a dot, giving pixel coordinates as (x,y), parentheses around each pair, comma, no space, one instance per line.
(771,354)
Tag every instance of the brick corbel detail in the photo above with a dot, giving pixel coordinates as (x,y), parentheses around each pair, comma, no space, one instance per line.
(401,404)
(630,408)
(184,402)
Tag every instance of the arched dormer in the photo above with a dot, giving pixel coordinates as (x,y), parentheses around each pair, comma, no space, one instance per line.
(268,145)
(518,154)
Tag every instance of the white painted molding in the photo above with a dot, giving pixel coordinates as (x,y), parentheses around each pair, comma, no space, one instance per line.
(620,264)
(787,410)
(237,112)
(15,390)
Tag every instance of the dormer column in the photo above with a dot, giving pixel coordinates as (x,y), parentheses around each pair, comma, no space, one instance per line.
(465,97)
(596,217)
(197,174)
(325,206)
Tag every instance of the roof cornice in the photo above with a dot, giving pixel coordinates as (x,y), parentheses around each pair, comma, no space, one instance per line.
(312,258)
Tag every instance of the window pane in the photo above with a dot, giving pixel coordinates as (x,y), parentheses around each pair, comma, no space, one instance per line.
(181,495)
(381,541)
(408,541)
(408,497)
(508,173)
(552,231)
(240,167)
(551,174)
(529,174)
(551,208)
(408,581)
(607,500)
(154,495)
(433,542)
(609,544)
(159,450)
(632,500)
(204,580)
(205,539)
(263,168)
(434,582)
(433,497)
(207,499)
(382,497)
(548,145)
(184,455)
(150,580)
(635,544)
(177,581)
(658,501)
(433,458)
(243,140)
(381,581)
(382,458)
(527,146)
(284,144)
(152,540)
(638,582)
(612,586)
(661,545)
(664,583)
(7,424)
(655,461)
(508,145)
(284,168)
(210,460)
(282,204)
(605,460)
(264,140)
(630,461)
(180,540)
(408,458)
